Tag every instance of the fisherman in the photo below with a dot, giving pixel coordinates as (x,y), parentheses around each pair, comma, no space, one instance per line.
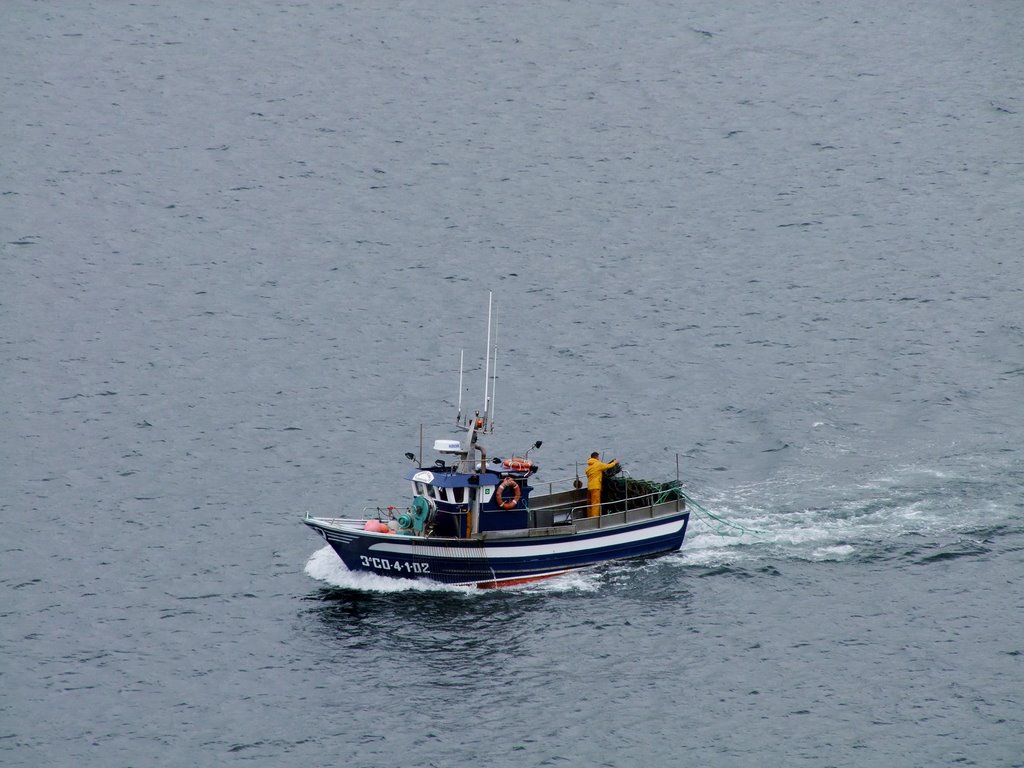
(595,473)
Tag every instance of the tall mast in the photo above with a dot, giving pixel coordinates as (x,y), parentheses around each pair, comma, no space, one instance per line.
(462,353)
(487,355)
(494,374)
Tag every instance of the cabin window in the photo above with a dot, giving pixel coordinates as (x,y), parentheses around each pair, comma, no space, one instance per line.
(459,495)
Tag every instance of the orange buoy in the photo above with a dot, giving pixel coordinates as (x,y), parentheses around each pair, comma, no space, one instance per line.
(517,494)
(517,465)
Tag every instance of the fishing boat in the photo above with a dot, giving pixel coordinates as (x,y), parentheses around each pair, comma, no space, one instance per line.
(489,521)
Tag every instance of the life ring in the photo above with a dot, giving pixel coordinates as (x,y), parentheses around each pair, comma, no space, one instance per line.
(517,494)
(517,465)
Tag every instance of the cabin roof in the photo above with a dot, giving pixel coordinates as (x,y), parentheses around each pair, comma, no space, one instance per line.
(449,479)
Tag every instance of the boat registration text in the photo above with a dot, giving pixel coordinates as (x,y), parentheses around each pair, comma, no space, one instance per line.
(383,564)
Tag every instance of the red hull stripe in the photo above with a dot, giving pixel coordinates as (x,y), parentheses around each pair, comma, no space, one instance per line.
(515,581)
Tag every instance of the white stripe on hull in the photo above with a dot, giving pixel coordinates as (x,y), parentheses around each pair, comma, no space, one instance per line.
(515,550)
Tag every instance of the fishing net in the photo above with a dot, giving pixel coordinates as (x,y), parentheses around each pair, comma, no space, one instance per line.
(621,493)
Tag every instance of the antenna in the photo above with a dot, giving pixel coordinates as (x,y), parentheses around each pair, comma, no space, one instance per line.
(487,354)
(462,354)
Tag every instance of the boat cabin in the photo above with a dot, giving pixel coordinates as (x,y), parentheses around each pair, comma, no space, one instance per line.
(499,497)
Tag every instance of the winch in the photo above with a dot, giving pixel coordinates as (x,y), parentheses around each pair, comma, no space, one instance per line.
(418,517)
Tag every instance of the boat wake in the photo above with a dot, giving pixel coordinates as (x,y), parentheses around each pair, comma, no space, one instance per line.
(807,519)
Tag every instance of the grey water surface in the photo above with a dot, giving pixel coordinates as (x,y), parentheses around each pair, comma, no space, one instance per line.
(242,246)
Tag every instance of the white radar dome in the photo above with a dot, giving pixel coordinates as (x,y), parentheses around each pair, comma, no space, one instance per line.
(448,446)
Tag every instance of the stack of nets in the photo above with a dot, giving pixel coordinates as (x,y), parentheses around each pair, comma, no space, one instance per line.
(621,493)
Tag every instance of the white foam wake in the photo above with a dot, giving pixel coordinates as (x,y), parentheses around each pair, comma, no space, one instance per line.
(807,518)
(325,565)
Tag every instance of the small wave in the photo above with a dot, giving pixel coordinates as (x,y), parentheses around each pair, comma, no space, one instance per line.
(949,552)
(583,580)
(838,552)
(725,570)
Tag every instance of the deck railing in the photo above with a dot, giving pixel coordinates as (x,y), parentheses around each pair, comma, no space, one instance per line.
(626,510)
(572,506)
(559,485)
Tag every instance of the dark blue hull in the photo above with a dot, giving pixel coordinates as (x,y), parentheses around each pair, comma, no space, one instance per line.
(498,560)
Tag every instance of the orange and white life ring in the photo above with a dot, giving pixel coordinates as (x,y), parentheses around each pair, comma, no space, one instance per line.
(517,465)
(517,493)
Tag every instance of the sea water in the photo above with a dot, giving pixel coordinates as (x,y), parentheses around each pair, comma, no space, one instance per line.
(243,248)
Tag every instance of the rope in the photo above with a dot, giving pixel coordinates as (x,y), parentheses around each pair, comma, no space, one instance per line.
(726,524)
(635,490)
